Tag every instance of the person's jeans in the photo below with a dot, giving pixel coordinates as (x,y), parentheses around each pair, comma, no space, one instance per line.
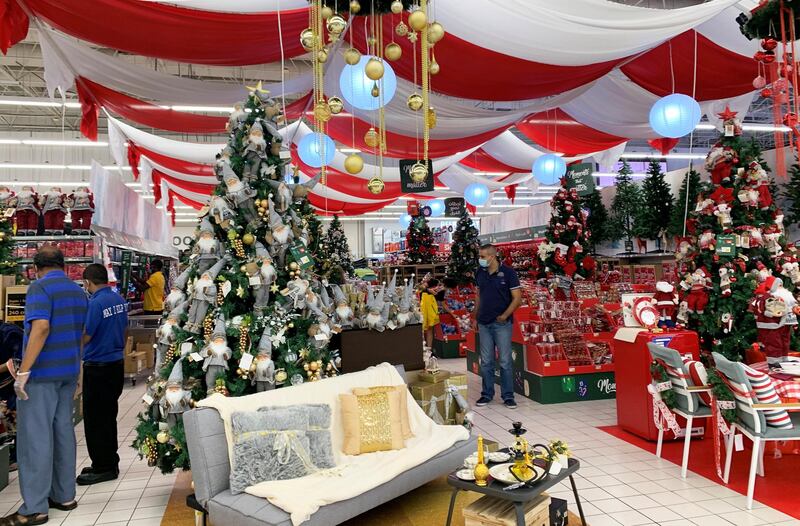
(497,335)
(102,387)
(46,445)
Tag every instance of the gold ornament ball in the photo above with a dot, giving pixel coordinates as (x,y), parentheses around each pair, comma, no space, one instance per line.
(397,7)
(415,101)
(434,67)
(355,7)
(419,172)
(243,268)
(257,202)
(352,56)
(262,210)
(290,325)
(353,163)
(322,56)
(307,39)
(375,91)
(326,12)
(336,25)
(329,367)
(248,239)
(162,437)
(309,374)
(313,366)
(232,234)
(374,69)
(401,29)
(336,105)
(291,273)
(418,20)
(306,367)
(371,138)
(435,32)
(322,112)
(393,51)
(280,376)
(375,185)
(293,265)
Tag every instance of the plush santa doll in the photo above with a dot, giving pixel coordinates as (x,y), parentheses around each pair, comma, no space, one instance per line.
(697,299)
(28,211)
(54,210)
(719,162)
(666,300)
(82,209)
(773,307)
(8,199)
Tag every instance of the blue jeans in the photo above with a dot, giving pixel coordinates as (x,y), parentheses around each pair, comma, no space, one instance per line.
(498,335)
(46,445)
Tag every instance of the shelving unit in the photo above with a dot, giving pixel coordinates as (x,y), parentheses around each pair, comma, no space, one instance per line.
(644,268)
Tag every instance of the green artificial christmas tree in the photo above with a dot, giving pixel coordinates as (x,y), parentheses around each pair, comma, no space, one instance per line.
(464,251)
(736,249)
(625,207)
(242,316)
(335,253)
(597,221)
(684,203)
(568,237)
(791,192)
(8,263)
(420,247)
(657,206)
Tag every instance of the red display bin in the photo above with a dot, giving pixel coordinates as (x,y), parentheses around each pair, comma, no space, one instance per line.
(632,365)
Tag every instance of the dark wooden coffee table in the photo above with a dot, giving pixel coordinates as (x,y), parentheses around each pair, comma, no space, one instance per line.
(518,496)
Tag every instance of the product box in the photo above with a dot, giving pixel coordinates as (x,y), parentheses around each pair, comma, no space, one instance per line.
(438,376)
(5,283)
(149,352)
(491,511)
(135,362)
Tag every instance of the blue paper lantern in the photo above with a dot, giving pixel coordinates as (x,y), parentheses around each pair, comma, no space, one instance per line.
(316,149)
(405,220)
(356,87)
(476,194)
(549,169)
(675,115)
(437,207)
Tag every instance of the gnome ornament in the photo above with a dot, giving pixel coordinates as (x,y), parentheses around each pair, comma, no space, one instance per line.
(204,296)
(220,212)
(176,399)
(238,116)
(217,353)
(279,236)
(295,291)
(165,334)
(254,153)
(377,313)
(285,193)
(264,377)
(343,315)
(28,211)
(241,195)
(208,249)
(81,209)
(176,294)
(406,315)
(262,275)
(53,205)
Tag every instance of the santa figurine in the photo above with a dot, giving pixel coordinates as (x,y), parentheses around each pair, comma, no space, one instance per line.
(54,210)
(697,299)
(28,211)
(8,199)
(774,308)
(264,377)
(666,300)
(176,399)
(217,354)
(81,209)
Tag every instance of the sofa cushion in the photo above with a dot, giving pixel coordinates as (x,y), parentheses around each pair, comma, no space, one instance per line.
(371,422)
(402,405)
(765,393)
(318,432)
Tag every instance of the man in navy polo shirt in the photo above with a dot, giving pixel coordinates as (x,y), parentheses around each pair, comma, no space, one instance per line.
(499,295)
(103,370)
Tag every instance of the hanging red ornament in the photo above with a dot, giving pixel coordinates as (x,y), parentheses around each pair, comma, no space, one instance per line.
(759,56)
(769,44)
(759,82)
(780,84)
(769,57)
(766,92)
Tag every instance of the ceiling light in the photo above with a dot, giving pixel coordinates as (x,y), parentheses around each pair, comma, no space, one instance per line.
(491,173)
(655,155)
(208,109)
(38,103)
(614,174)
(350,150)
(46,142)
(10,141)
(748,127)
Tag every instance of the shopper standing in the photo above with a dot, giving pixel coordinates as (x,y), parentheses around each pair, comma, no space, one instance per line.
(55,311)
(153,288)
(429,309)
(104,343)
(499,295)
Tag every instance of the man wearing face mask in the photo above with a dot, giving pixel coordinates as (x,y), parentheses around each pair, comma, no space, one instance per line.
(499,295)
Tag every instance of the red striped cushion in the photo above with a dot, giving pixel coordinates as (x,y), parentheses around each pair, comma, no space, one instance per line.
(765,394)
(697,372)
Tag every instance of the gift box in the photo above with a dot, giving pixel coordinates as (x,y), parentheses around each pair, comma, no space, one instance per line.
(459,381)
(431,377)
(431,398)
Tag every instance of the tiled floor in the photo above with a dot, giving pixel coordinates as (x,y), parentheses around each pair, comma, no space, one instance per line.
(619,483)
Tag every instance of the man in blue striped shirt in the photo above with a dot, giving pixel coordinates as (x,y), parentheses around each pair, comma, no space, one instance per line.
(55,313)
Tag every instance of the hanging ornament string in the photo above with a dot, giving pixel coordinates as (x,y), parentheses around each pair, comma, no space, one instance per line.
(283,62)
(425,81)
(416,83)
(691,134)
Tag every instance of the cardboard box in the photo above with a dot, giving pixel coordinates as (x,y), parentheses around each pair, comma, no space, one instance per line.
(5,283)
(491,511)
(135,362)
(149,352)
(425,392)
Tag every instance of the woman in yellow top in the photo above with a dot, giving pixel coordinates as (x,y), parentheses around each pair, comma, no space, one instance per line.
(429,308)
(153,288)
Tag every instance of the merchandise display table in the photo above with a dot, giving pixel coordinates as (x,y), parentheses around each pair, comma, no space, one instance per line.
(518,496)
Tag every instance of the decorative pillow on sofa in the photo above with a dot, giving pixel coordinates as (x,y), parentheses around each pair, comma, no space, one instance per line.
(371,422)
(270,445)
(402,399)
(318,432)
(765,393)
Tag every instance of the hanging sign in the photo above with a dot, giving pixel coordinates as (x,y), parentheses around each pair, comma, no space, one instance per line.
(454,206)
(413,178)
(301,255)
(726,245)
(579,176)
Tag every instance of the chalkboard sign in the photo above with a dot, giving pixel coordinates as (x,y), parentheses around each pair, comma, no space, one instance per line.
(454,206)
(408,184)
(579,177)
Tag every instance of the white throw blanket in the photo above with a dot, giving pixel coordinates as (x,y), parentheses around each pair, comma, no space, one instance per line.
(353,475)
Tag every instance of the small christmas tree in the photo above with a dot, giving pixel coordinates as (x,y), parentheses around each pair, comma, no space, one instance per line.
(464,251)
(420,247)
(657,205)
(625,206)
(8,263)
(567,234)
(337,250)
(597,221)
(684,204)
(791,192)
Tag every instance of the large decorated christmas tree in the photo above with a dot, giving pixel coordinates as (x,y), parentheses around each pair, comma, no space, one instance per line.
(464,251)
(247,314)
(568,238)
(737,271)
(420,247)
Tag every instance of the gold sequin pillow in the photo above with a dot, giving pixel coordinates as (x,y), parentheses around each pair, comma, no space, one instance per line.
(402,405)
(371,422)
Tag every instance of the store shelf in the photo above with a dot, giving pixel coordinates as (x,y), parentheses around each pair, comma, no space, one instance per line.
(649,255)
(86,259)
(52,238)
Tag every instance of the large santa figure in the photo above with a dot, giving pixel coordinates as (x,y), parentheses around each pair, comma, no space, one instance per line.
(82,209)
(54,209)
(28,212)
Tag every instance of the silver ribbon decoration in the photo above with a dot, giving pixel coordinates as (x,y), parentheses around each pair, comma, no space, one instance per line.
(288,441)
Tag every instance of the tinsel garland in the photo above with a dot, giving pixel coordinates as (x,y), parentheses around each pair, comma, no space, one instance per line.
(659,375)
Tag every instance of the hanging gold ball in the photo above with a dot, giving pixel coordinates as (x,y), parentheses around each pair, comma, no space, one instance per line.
(290,325)
(418,20)
(401,29)
(248,239)
(309,374)
(313,366)
(352,56)
(353,163)
(375,185)
(336,105)
(291,273)
(293,265)
(262,210)
(307,39)
(322,112)
(243,268)
(355,7)
(393,51)
(162,437)
(375,91)
(374,69)
(336,25)
(435,32)
(397,7)
(326,12)
(306,367)
(322,56)
(371,138)
(419,172)
(415,101)
(434,67)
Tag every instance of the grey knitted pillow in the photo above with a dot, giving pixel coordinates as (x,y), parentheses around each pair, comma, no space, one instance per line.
(270,445)
(319,432)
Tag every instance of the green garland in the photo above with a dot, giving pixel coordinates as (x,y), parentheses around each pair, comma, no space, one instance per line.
(765,21)
(722,393)
(659,375)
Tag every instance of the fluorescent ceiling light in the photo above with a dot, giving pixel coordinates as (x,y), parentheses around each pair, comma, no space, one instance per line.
(749,127)
(614,174)
(46,142)
(44,183)
(208,109)
(350,150)
(38,103)
(10,141)
(655,155)
(491,173)
(47,166)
